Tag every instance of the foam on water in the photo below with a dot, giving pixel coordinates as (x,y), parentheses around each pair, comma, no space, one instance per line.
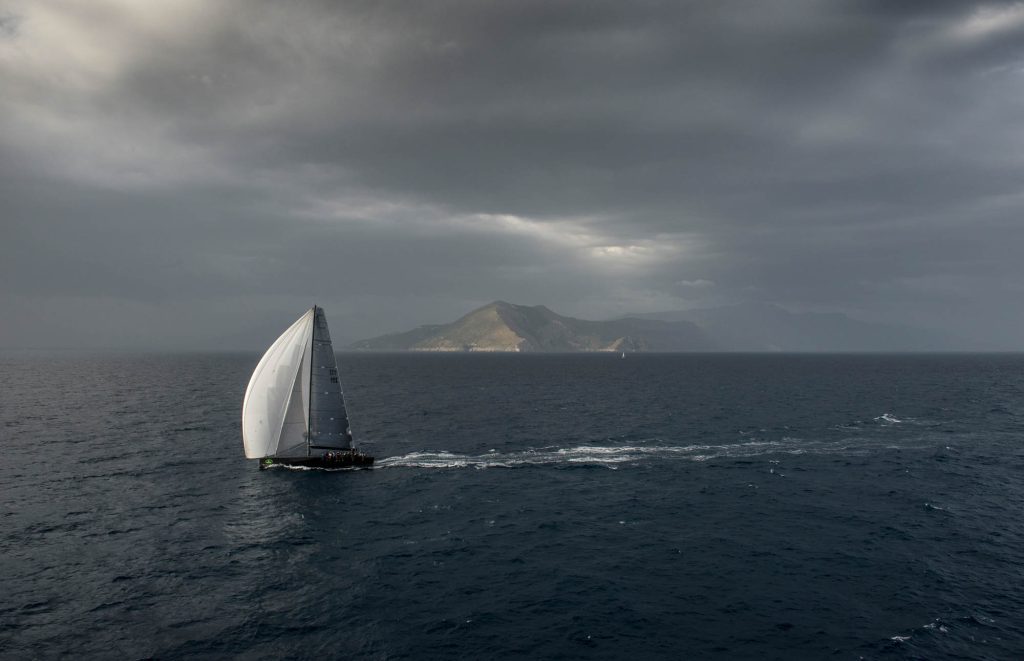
(615,455)
(311,468)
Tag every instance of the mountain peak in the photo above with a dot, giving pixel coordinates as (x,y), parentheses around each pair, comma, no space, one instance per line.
(504,326)
(505,305)
(752,326)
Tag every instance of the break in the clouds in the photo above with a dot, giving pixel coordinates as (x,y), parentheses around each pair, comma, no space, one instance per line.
(194,174)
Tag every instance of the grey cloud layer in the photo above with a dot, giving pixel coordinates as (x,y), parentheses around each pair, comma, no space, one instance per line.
(413,160)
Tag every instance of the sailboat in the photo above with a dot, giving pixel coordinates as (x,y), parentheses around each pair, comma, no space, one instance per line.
(294,413)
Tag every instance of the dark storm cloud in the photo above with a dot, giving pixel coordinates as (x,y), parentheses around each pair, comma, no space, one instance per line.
(415,160)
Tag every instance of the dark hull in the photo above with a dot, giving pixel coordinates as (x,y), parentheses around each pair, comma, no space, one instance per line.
(340,460)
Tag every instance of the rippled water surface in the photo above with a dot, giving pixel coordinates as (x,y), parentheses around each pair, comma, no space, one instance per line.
(585,506)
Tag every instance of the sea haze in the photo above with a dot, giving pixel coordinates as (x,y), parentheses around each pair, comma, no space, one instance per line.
(523,506)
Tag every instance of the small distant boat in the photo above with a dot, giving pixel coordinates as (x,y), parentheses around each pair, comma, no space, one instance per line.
(294,413)
(623,354)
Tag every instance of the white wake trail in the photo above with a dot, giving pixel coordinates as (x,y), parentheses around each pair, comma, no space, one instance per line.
(596,455)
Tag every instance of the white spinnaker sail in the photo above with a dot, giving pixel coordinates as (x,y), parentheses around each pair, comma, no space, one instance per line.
(271,421)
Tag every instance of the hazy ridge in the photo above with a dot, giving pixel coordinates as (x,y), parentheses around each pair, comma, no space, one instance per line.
(502,326)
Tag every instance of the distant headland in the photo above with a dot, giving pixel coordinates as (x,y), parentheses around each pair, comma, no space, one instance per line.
(506,327)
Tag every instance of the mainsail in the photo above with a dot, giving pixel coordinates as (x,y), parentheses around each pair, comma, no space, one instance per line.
(293,402)
(328,421)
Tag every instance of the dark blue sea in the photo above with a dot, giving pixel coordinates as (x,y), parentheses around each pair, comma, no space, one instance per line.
(523,506)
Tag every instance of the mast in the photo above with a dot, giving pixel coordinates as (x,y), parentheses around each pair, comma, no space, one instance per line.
(309,404)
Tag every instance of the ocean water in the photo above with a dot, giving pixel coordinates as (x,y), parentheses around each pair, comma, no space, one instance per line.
(523,506)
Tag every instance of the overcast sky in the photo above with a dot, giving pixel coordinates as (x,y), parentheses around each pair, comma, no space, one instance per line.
(195,174)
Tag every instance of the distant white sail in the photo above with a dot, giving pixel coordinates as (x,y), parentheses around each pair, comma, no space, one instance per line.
(275,411)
